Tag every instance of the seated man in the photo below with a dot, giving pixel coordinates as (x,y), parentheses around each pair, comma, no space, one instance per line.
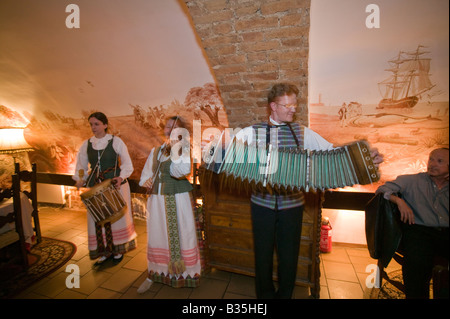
(423,210)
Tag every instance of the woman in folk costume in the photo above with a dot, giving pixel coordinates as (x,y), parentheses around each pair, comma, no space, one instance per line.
(103,153)
(173,252)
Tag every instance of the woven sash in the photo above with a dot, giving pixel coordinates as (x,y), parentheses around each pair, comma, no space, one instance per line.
(176,264)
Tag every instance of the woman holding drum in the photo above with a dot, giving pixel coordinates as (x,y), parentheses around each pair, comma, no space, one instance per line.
(173,254)
(110,222)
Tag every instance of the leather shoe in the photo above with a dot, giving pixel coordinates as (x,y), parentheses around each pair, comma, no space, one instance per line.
(117,260)
(102,260)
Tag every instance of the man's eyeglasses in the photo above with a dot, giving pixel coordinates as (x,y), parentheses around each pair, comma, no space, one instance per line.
(289,106)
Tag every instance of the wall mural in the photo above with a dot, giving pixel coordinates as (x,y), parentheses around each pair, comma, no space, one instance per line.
(379,71)
(55,144)
(137,61)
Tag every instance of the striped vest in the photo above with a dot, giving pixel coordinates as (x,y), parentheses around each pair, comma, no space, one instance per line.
(284,139)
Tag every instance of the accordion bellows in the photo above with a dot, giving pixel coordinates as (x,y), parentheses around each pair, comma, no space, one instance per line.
(286,170)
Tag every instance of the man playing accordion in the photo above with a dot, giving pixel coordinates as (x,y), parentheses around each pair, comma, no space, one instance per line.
(277,218)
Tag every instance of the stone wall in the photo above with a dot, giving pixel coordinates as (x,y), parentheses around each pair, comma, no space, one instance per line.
(250,45)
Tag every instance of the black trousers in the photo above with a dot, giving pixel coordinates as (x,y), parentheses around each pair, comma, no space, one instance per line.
(422,246)
(280,229)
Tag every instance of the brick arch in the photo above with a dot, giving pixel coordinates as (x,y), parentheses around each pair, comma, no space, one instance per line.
(251,44)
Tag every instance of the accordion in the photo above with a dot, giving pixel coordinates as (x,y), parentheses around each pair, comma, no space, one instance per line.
(291,169)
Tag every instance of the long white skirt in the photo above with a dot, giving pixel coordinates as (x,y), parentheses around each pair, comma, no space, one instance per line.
(158,248)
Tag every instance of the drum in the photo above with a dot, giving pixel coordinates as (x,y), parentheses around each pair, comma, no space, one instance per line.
(104,202)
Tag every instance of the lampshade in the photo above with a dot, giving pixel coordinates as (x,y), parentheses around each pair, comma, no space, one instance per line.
(13,141)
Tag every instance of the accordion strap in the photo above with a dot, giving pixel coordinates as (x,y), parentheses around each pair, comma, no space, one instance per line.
(290,128)
(293,134)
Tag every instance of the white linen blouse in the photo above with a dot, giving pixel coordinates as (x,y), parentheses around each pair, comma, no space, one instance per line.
(126,165)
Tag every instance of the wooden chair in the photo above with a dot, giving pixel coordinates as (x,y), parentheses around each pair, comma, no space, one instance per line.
(31,176)
(15,235)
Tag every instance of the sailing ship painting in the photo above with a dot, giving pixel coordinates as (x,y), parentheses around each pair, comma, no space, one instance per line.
(409,79)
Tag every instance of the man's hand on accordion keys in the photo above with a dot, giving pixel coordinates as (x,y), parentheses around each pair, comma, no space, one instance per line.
(377,158)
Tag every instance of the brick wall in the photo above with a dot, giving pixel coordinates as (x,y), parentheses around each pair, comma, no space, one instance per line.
(252,44)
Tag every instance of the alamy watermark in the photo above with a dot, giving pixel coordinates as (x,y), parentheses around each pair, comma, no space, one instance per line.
(372,20)
(73,19)
(373,279)
(73,280)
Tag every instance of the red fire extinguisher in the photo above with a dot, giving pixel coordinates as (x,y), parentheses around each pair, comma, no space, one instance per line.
(325,236)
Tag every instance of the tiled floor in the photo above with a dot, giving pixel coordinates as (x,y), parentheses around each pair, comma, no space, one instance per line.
(343,271)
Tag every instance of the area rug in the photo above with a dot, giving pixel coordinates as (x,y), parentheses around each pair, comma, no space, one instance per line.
(47,256)
(391,291)
(387,289)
